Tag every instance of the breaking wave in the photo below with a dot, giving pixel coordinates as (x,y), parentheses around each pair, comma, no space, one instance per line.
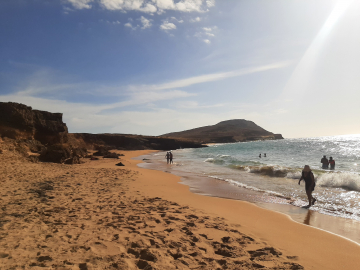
(345,180)
(348,181)
(238,184)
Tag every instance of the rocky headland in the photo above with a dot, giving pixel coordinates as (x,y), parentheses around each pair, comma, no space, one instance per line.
(237,130)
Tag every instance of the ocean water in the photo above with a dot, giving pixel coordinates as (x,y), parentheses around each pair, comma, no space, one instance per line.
(276,176)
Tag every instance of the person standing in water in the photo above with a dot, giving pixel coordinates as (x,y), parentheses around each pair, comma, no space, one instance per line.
(167,157)
(264,154)
(309,179)
(325,162)
(259,155)
(171,157)
(332,163)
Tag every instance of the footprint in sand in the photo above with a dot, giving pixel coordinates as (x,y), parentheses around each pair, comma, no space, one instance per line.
(106,248)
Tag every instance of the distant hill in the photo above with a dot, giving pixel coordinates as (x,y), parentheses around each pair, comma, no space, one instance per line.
(236,130)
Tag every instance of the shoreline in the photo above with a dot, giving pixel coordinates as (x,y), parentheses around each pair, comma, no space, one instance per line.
(206,186)
(316,248)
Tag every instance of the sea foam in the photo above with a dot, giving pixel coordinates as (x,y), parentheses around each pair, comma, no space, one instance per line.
(348,181)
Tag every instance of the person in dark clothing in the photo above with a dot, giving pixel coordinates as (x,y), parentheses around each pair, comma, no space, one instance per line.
(325,163)
(167,157)
(309,179)
(332,163)
(171,157)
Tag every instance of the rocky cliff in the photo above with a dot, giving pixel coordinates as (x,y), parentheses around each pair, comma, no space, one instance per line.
(18,121)
(237,130)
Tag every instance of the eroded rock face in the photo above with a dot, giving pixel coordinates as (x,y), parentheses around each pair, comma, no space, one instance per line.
(18,121)
(57,153)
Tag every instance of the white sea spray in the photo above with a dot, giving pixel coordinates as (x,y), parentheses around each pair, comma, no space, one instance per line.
(348,181)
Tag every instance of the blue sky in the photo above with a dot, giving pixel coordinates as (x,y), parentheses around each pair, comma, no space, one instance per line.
(156,66)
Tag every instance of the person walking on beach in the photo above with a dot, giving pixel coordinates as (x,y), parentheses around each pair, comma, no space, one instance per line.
(309,179)
(325,162)
(171,157)
(332,163)
(167,157)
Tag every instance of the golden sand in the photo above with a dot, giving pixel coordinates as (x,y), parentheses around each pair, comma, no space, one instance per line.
(97,215)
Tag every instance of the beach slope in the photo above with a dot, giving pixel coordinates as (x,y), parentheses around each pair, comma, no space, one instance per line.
(97,215)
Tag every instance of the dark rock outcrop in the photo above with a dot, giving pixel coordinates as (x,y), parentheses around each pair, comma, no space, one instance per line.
(102,151)
(73,160)
(18,121)
(62,153)
(57,153)
(111,155)
(237,130)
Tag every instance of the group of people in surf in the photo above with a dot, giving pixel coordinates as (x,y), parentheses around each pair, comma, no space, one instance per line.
(169,157)
(326,162)
(260,155)
(308,176)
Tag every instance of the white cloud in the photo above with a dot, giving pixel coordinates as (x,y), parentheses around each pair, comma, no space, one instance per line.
(145,22)
(50,83)
(167,26)
(179,21)
(129,25)
(139,5)
(189,5)
(147,6)
(190,104)
(81,4)
(210,3)
(208,77)
(205,34)
(197,19)
(145,97)
(67,10)
(165,4)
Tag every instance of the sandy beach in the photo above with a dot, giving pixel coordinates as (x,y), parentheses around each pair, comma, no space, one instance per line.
(97,215)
